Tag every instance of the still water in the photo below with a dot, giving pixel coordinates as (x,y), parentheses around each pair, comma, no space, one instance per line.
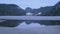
(33,28)
(24,25)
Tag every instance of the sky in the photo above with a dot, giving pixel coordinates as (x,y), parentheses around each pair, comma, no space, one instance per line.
(30,3)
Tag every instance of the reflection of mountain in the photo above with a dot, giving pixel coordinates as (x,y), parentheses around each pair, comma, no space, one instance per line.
(11,9)
(55,12)
(48,11)
(14,10)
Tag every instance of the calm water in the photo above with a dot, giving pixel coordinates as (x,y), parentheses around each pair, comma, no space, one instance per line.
(33,28)
(24,25)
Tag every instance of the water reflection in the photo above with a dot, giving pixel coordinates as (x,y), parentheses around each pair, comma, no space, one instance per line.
(32,25)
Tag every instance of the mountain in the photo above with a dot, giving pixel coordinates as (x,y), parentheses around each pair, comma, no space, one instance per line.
(11,10)
(48,11)
(44,10)
(14,10)
(28,9)
(56,10)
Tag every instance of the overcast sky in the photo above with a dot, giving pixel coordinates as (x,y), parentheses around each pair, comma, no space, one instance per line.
(30,3)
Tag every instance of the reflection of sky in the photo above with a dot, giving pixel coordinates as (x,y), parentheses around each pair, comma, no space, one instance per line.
(31,3)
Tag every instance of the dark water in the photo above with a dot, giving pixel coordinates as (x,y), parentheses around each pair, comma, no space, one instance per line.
(33,28)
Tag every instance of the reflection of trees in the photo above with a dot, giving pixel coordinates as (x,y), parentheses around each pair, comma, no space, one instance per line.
(50,11)
(47,11)
(10,23)
(14,10)
(10,10)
